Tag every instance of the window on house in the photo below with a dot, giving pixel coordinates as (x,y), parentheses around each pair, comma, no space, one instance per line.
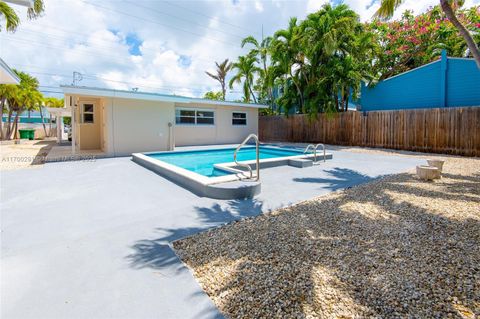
(194,117)
(239,118)
(87,113)
(205,117)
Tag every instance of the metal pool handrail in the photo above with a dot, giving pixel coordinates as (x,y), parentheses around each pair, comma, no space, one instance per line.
(257,142)
(315,147)
(324,153)
(314,151)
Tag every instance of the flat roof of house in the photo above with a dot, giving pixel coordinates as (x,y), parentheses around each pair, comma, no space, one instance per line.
(25,3)
(7,76)
(124,94)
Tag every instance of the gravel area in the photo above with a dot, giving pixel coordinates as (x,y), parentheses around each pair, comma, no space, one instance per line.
(394,247)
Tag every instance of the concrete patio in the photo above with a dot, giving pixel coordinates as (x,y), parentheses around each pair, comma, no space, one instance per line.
(91,239)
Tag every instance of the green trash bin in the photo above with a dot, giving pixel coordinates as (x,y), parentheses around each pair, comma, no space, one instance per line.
(31,134)
(24,133)
(27,133)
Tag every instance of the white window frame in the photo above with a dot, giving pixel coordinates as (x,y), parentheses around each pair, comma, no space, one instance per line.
(246,118)
(195,116)
(83,112)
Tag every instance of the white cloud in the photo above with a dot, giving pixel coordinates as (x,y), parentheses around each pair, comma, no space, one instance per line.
(315,5)
(258,6)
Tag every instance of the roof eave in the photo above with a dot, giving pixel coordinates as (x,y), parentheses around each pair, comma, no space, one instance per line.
(7,76)
(100,92)
(24,3)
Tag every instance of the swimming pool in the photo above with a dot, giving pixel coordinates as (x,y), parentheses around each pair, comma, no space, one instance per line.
(213,173)
(203,162)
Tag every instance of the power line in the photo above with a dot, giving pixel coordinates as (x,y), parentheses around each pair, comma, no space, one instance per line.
(47,91)
(82,50)
(208,16)
(182,19)
(159,23)
(201,88)
(95,46)
(86,76)
(74,51)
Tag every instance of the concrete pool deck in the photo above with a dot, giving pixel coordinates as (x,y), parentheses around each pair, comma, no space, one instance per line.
(92,239)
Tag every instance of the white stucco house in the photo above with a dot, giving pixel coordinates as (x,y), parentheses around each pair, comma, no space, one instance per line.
(119,123)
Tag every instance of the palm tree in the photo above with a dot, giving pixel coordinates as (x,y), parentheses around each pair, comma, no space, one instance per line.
(216,96)
(32,100)
(10,95)
(286,52)
(222,71)
(50,102)
(337,51)
(246,70)
(387,8)
(5,92)
(20,97)
(11,17)
(261,50)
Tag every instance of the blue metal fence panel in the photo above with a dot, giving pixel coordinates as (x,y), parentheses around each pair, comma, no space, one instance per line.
(414,89)
(463,83)
(448,82)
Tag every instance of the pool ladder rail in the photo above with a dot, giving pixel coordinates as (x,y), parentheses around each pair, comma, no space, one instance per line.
(315,147)
(257,143)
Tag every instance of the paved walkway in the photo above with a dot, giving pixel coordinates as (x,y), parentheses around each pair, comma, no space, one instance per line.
(27,154)
(91,239)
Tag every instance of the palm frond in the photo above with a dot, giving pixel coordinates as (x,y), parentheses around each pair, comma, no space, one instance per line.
(11,17)
(37,9)
(387,9)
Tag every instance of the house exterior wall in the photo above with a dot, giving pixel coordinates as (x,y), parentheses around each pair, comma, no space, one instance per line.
(449,82)
(137,126)
(124,126)
(222,132)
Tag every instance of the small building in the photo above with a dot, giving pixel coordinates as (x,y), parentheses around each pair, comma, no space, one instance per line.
(119,123)
(447,82)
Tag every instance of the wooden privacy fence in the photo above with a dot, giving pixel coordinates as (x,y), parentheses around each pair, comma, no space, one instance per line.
(440,130)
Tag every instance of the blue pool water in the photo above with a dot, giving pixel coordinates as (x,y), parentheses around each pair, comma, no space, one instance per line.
(202,162)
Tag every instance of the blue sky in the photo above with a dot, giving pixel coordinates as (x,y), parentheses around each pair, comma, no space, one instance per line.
(134,43)
(157,46)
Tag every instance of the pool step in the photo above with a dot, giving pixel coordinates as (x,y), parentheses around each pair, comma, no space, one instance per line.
(233,190)
(300,162)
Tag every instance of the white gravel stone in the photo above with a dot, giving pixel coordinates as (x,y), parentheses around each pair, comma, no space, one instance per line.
(394,247)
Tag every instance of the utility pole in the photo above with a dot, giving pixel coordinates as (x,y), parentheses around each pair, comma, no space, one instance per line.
(77,77)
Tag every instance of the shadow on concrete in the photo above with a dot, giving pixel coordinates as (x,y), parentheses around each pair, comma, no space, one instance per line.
(340,178)
(157,253)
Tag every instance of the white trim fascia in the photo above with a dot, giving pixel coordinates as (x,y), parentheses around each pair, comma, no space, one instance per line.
(23,3)
(460,58)
(7,76)
(101,92)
